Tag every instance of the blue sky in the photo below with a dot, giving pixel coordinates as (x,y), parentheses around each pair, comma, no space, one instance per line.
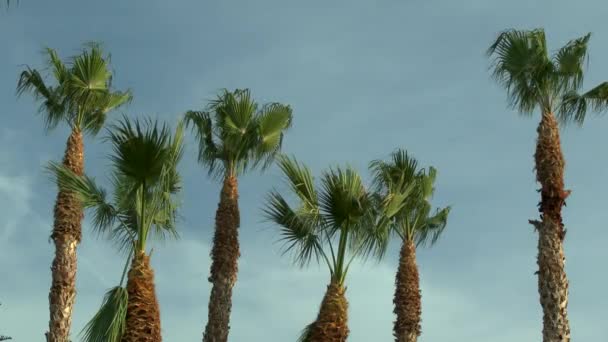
(363,78)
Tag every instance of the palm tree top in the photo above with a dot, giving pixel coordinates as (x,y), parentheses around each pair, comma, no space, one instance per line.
(414,221)
(234,133)
(81,95)
(144,179)
(338,215)
(533,77)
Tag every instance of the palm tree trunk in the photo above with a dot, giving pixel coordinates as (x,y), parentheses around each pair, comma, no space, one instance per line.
(224,263)
(407,300)
(67,232)
(552,280)
(332,322)
(143,313)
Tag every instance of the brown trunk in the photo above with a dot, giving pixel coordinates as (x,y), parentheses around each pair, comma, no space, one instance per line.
(67,231)
(407,300)
(552,280)
(224,263)
(332,322)
(143,314)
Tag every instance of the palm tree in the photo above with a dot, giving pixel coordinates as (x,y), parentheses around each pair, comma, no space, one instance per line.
(533,79)
(335,222)
(145,182)
(81,99)
(415,225)
(238,138)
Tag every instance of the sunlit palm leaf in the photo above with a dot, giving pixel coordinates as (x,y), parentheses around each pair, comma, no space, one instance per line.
(109,322)
(272,122)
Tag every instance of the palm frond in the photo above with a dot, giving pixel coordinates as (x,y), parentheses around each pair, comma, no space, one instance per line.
(208,151)
(60,71)
(140,149)
(99,106)
(520,63)
(343,196)
(570,62)
(52,106)
(91,195)
(301,182)
(299,231)
(109,322)
(431,228)
(89,74)
(272,123)
(574,106)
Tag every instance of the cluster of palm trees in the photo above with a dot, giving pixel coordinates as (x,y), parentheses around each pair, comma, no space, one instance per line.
(332,221)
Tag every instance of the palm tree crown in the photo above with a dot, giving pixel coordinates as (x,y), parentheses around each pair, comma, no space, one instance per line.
(414,222)
(82,96)
(533,78)
(234,134)
(340,215)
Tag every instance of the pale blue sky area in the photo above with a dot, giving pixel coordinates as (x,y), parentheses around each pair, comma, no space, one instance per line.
(363,78)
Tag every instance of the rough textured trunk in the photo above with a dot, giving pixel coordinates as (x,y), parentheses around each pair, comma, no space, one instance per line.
(67,231)
(407,299)
(224,263)
(331,324)
(552,280)
(143,314)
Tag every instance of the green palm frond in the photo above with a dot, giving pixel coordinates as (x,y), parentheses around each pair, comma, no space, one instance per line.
(431,227)
(52,106)
(140,149)
(273,121)
(522,66)
(570,62)
(343,196)
(574,106)
(301,182)
(234,135)
(104,103)
(299,231)
(109,322)
(91,195)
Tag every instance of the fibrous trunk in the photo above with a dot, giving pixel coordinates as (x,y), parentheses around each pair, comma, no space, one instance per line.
(224,263)
(552,280)
(407,300)
(67,232)
(331,324)
(143,314)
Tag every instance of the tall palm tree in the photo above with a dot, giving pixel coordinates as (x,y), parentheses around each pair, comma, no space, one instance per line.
(415,225)
(234,136)
(534,79)
(81,98)
(145,181)
(334,222)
